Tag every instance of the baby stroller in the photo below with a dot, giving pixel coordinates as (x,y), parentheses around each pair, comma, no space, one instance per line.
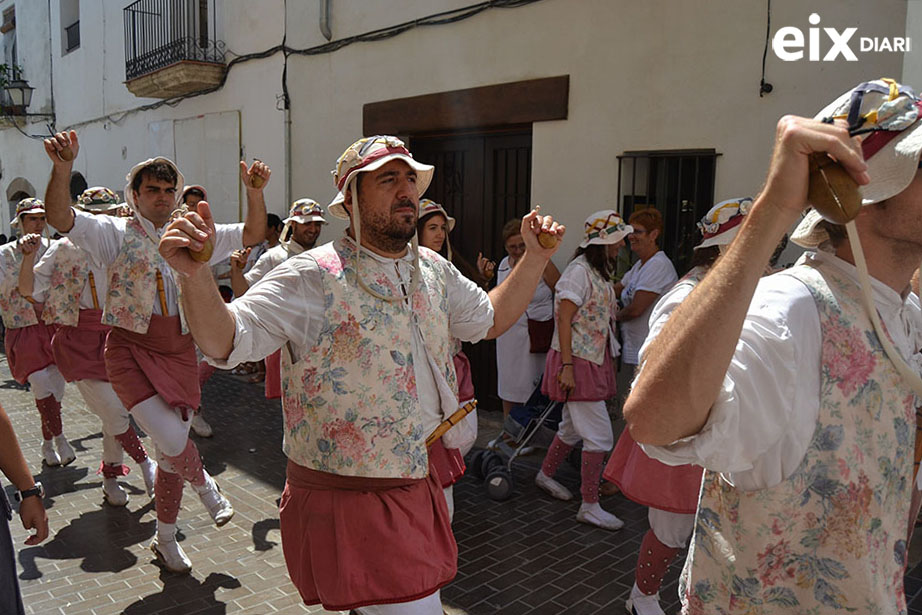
(532,423)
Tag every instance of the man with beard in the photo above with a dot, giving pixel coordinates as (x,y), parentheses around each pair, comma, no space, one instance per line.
(365,324)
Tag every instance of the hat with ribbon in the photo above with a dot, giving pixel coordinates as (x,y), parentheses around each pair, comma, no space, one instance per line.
(427,207)
(304,211)
(97,199)
(29,205)
(721,224)
(604,227)
(370,154)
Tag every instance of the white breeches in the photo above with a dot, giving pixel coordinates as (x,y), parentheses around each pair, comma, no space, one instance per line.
(47,381)
(671,529)
(430,605)
(104,403)
(587,421)
(165,426)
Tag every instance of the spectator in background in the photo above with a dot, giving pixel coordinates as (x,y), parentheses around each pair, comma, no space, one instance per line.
(580,369)
(641,287)
(517,368)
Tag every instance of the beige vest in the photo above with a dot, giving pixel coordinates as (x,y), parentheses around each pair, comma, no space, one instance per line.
(350,402)
(16,310)
(133,282)
(832,536)
(592,322)
(68,278)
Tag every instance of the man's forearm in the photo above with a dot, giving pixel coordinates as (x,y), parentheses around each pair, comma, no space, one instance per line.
(27,275)
(12,463)
(211,323)
(684,367)
(254,227)
(57,198)
(238,283)
(511,298)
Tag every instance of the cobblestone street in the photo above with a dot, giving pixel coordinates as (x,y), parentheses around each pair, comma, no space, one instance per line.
(525,555)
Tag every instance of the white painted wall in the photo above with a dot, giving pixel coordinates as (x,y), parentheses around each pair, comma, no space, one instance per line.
(643,76)
(90,96)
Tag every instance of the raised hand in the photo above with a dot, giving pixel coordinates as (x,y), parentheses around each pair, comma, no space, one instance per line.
(62,148)
(187,233)
(534,224)
(257,176)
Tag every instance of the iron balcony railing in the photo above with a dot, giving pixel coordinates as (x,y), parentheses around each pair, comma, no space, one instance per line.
(159,33)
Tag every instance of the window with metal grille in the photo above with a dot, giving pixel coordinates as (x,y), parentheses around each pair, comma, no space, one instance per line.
(680,184)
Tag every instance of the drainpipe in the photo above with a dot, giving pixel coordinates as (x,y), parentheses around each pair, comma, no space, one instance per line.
(325,19)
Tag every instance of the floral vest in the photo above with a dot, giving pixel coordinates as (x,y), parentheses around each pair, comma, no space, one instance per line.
(133,282)
(68,278)
(350,402)
(16,310)
(832,536)
(592,322)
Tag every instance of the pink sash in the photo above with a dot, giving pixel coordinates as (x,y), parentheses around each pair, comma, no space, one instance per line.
(28,349)
(274,375)
(352,542)
(159,362)
(79,352)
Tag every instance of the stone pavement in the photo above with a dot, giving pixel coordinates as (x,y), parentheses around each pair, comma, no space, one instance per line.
(525,555)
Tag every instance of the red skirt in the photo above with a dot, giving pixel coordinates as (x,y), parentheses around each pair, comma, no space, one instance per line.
(274,375)
(28,349)
(465,381)
(79,352)
(159,362)
(593,382)
(351,542)
(651,483)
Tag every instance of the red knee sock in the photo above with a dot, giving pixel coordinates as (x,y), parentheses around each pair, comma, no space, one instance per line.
(652,563)
(188,464)
(591,471)
(167,495)
(113,470)
(556,453)
(49,409)
(132,444)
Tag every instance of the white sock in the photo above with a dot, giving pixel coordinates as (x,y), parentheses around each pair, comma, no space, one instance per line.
(166,531)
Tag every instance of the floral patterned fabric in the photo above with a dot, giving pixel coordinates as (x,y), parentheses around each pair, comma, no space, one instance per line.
(592,322)
(68,277)
(133,282)
(832,536)
(15,309)
(350,402)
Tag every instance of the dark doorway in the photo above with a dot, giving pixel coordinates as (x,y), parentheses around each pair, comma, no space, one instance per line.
(482,180)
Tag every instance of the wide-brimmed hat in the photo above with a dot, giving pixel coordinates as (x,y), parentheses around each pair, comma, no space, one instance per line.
(428,207)
(604,227)
(97,199)
(304,211)
(809,234)
(187,189)
(29,205)
(129,197)
(370,154)
(721,224)
(888,114)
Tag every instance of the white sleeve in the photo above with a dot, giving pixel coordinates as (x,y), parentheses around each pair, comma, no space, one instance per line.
(42,272)
(760,426)
(470,310)
(227,238)
(574,284)
(286,306)
(100,236)
(657,276)
(264,265)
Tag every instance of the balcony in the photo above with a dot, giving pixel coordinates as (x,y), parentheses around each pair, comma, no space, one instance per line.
(171,48)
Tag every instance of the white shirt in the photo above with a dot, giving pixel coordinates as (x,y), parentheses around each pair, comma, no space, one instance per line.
(271,259)
(102,236)
(759,428)
(541,306)
(657,275)
(45,267)
(287,306)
